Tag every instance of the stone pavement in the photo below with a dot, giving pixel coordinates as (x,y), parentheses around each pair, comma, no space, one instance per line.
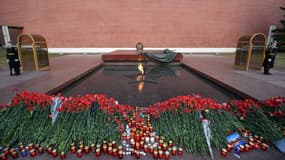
(252,83)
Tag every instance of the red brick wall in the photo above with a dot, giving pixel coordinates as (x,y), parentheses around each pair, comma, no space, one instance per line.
(156,23)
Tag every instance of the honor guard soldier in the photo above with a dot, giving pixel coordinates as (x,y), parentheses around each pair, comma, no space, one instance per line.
(270,54)
(13,59)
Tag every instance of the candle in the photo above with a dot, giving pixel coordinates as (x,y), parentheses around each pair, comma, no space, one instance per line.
(173,151)
(224,152)
(156,138)
(121,155)
(151,149)
(49,150)
(155,154)
(160,143)
(79,153)
(264,146)
(180,151)
(41,150)
(166,155)
(115,152)
(256,145)
(145,148)
(114,145)
(92,147)
(170,143)
(3,156)
(6,151)
(229,147)
(33,153)
(160,154)
(138,154)
(164,147)
(150,129)
(141,144)
(62,155)
(98,152)
(31,146)
(105,148)
(247,147)
(132,151)
(14,154)
(73,149)
(110,150)
(241,148)
(86,150)
(54,153)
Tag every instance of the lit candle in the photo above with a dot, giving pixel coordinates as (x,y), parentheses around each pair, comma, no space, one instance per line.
(86,149)
(14,154)
(79,153)
(105,148)
(164,147)
(141,144)
(73,149)
(54,153)
(173,151)
(180,151)
(264,146)
(247,147)
(166,155)
(31,146)
(241,148)
(6,151)
(229,147)
(170,143)
(41,150)
(121,155)
(151,149)
(33,153)
(160,143)
(156,138)
(137,147)
(98,152)
(62,155)
(110,150)
(256,145)
(3,156)
(145,148)
(138,154)
(114,145)
(155,154)
(92,147)
(160,154)
(224,152)
(115,152)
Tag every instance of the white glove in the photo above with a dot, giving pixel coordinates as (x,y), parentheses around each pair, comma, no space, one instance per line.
(16,60)
(7,60)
